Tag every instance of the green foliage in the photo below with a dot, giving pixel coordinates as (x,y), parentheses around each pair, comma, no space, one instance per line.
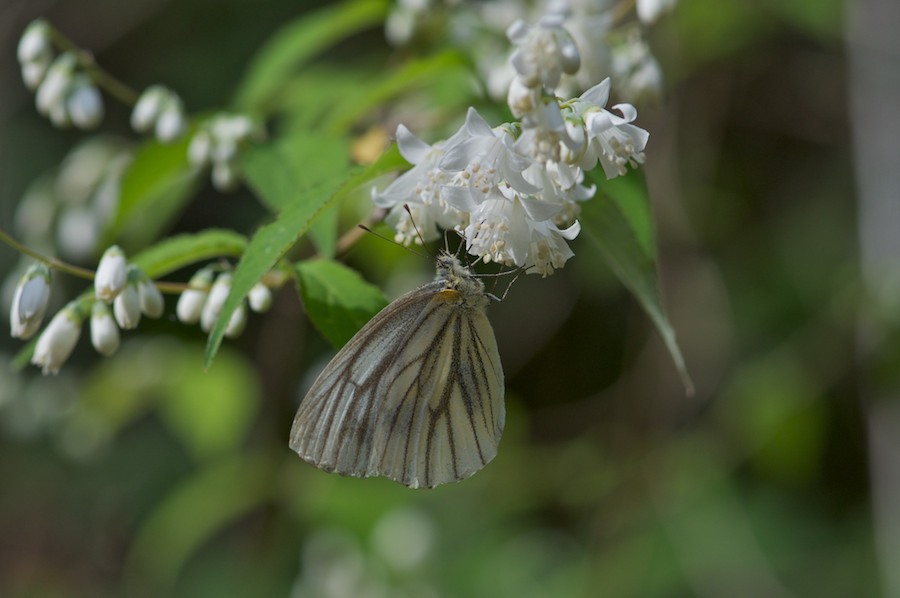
(178,251)
(618,223)
(337,299)
(286,175)
(157,184)
(150,476)
(299,41)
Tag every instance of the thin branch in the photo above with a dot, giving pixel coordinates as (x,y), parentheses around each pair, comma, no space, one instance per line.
(52,262)
(100,76)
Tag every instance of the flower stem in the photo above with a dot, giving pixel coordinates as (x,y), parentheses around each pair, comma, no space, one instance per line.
(52,262)
(101,77)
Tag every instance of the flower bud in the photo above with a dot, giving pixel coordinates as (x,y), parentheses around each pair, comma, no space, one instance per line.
(53,89)
(35,42)
(104,332)
(111,274)
(171,123)
(147,108)
(59,116)
(260,298)
(200,149)
(237,322)
(522,99)
(30,302)
(33,71)
(127,306)
(56,343)
(152,302)
(190,304)
(217,296)
(569,58)
(84,103)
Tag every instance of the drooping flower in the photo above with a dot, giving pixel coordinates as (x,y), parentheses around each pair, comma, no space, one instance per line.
(84,104)
(237,322)
(104,332)
(52,92)
(612,139)
(57,341)
(191,302)
(30,302)
(216,300)
(218,142)
(111,274)
(543,52)
(150,298)
(35,53)
(127,304)
(260,298)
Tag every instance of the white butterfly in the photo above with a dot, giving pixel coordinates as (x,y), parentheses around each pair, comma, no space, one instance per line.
(416,395)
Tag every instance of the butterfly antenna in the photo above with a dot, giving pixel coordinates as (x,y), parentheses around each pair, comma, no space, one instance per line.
(394,241)
(521,271)
(413,222)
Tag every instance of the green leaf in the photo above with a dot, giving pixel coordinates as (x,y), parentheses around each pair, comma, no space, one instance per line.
(337,299)
(182,250)
(299,41)
(308,100)
(288,175)
(624,238)
(286,172)
(630,194)
(323,232)
(191,515)
(272,241)
(155,187)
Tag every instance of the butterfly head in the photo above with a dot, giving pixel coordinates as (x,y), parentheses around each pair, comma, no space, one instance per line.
(459,278)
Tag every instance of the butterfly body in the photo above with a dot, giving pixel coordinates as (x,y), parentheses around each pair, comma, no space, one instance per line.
(416,395)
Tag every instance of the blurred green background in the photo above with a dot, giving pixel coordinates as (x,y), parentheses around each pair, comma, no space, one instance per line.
(143,475)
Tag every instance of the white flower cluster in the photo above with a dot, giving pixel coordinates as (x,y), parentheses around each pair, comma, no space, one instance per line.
(512,191)
(161,109)
(218,144)
(205,296)
(131,294)
(598,28)
(124,286)
(65,93)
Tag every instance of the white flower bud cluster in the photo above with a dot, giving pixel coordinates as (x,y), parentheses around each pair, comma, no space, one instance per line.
(65,94)
(205,296)
(512,191)
(596,27)
(218,144)
(162,110)
(130,292)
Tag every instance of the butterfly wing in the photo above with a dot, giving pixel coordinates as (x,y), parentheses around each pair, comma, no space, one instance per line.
(416,395)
